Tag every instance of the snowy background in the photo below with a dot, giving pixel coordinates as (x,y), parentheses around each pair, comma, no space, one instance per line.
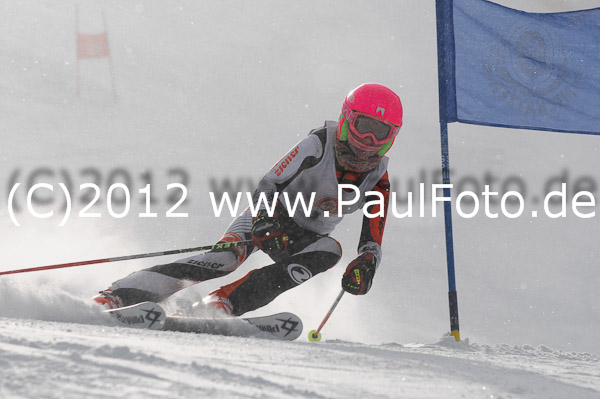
(216,92)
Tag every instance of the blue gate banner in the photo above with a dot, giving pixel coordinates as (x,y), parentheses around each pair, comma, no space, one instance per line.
(504,67)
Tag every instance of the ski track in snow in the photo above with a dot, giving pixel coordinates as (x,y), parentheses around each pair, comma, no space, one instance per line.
(45,359)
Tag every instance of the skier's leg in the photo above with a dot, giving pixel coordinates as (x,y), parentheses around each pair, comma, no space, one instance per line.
(158,282)
(261,286)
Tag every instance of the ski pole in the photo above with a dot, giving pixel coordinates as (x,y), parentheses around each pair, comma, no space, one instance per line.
(315,335)
(222,245)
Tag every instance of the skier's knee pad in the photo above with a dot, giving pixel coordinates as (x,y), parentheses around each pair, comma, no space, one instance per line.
(325,253)
(240,252)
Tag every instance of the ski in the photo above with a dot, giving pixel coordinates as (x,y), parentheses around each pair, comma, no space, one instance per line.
(149,315)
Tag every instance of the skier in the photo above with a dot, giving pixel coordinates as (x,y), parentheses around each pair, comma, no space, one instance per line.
(349,151)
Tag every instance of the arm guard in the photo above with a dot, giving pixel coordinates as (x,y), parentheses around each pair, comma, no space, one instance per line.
(372,228)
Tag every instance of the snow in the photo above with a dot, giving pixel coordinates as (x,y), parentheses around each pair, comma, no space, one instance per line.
(70,349)
(220,90)
(57,360)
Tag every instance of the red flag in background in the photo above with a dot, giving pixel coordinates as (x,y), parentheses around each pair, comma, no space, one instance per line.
(92,46)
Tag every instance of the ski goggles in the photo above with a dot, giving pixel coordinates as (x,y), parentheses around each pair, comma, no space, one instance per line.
(363,125)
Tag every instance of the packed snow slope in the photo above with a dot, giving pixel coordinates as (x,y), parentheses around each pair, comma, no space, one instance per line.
(210,95)
(65,360)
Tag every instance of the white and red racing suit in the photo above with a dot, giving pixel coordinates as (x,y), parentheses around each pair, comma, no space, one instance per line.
(309,167)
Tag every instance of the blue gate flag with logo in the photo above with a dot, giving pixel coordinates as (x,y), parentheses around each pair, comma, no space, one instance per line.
(504,67)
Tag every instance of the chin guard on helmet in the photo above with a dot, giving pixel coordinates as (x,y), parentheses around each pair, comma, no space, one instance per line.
(355,160)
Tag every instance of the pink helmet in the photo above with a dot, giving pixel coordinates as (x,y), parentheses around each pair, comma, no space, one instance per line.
(371,118)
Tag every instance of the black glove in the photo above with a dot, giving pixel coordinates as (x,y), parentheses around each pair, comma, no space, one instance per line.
(359,274)
(268,233)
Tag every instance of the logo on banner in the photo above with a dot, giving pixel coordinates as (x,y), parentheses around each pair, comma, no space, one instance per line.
(524,75)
